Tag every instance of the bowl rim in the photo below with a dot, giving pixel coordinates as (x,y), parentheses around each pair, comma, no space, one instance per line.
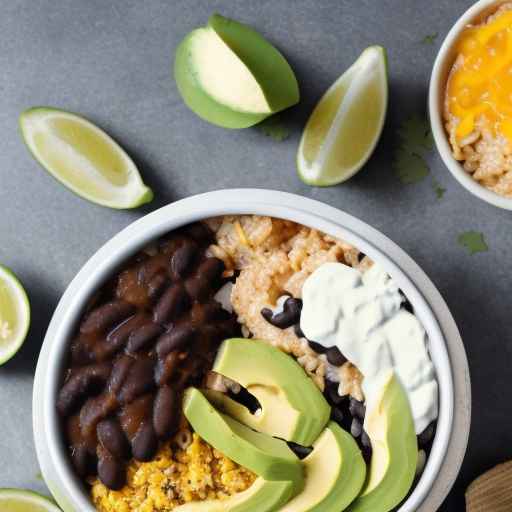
(436,94)
(277,204)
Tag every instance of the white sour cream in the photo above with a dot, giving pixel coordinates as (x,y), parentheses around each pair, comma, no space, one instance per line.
(360,314)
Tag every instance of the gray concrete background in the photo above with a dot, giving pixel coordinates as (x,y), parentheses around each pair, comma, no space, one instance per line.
(111,61)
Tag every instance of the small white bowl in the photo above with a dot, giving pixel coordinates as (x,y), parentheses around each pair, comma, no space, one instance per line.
(442,66)
(446,346)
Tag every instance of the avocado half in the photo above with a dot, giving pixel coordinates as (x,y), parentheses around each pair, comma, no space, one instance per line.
(292,407)
(231,76)
(390,427)
(265,456)
(335,472)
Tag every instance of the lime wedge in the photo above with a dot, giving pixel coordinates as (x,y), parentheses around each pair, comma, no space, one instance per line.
(14,315)
(345,126)
(83,157)
(18,500)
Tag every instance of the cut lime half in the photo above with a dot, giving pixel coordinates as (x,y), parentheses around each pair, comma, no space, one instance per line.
(83,157)
(14,315)
(346,124)
(18,500)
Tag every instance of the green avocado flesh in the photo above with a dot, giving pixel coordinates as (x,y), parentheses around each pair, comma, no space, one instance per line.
(292,407)
(262,496)
(335,471)
(390,426)
(266,456)
(231,76)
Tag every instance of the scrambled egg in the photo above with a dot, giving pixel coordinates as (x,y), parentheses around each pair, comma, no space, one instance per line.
(196,473)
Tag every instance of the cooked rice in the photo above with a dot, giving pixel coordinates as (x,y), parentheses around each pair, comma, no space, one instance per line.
(486,155)
(276,257)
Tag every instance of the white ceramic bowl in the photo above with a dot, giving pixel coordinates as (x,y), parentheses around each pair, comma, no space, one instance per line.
(442,66)
(445,343)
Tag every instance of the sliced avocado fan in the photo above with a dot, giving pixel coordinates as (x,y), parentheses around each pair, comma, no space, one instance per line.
(292,407)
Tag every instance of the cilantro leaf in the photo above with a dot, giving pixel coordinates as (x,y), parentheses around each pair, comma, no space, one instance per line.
(410,167)
(415,140)
(438,189)
(473,241)
(275,128)
(415,135)
(430,38)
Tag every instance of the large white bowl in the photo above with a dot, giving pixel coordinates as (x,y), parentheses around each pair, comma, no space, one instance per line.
(442,66)
(446,346)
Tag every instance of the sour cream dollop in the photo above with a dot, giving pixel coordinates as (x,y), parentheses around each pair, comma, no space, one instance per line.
(361,314)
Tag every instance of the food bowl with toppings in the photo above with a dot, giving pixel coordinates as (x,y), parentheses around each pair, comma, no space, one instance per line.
(250,350)
(470,101)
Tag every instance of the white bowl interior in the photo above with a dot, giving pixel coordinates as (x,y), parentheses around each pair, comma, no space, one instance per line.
(136,236)
(442,66)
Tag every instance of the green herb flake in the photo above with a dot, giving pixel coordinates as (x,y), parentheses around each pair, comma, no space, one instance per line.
(438,189)
(473,241)
(430,38)
(415,141)
(275,128)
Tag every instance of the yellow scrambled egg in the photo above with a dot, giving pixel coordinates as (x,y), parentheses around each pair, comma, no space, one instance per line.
(174,477)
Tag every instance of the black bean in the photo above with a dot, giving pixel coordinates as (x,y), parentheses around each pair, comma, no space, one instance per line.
(110,470)
(183,259)
(199,231)
(332,393)
(145,442)
(357,408)
(81,460)
(83,382)
(166,412)
(319,349)
(176,338)
(337,415)
(119,336)
(211,269)
(365,439)
(172,303)
(105,317)
(111,436)
(198,288)
(427,435)
(138,381)
(294,307)
(93,411)
(298,331)
(335,357)
(267,314)
(356,428)
(157,285)
(143,336)
(165,369)
(119,373)
(299,450)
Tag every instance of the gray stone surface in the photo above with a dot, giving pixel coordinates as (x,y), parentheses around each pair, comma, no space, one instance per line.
(112,60)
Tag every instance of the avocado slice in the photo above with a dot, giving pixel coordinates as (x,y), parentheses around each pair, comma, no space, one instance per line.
(262,496)
(231,76)
(390,427)
(335,471)
(266,456)
(292,407)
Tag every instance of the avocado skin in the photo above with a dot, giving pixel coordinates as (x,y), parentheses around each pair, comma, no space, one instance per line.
(266,456)
(270,369)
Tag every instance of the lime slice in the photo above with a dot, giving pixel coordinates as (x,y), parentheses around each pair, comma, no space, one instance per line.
(18,500)
(345,126)
(14,315)
(83,157)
